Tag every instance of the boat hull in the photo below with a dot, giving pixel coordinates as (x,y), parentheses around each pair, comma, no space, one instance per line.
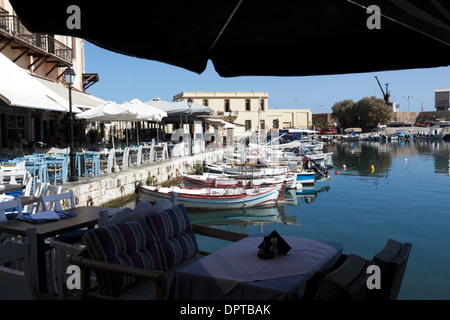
(220,181)
(306,177)
(214,198)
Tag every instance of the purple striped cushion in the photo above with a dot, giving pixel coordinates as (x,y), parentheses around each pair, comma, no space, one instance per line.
(127,244)
(174,234)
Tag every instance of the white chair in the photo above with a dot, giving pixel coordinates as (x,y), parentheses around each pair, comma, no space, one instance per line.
(41,188)
(126,154)
(28,182)
(122,160)
(152,155)
(13,204)
(53,201)
(136,158)
(4,206)
(23,282)
(64,245)
(107,164)
(51,189)
(12,176)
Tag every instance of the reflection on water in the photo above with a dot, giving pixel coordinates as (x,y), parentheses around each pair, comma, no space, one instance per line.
(405,198)
(359,156)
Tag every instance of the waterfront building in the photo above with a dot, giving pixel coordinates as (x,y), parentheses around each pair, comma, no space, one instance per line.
(442,99)
(44,57)
(242,109)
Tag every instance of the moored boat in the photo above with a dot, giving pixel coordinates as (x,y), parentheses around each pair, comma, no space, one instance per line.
(215,198)
(223,181)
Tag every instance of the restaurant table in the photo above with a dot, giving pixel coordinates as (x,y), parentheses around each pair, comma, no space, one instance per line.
(235,272)
(27,200)
(86,217)
(11,188)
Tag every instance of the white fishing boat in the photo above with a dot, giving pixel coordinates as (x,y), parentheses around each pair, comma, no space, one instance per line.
(215,198)
(223,181)
(256,170)
(306,176)
(352,134)
(440,131)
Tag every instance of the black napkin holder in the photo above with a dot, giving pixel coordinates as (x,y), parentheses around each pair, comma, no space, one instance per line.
(282,246)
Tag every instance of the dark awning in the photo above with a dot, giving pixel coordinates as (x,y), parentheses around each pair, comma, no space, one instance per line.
(259,37)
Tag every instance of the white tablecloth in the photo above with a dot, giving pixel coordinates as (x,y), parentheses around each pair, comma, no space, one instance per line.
(238,262)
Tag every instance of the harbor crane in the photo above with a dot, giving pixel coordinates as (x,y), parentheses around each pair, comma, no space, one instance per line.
(386,95)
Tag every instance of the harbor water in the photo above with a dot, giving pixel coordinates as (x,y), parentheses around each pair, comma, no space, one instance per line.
(405,197)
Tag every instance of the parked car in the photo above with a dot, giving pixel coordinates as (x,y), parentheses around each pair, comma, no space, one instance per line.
(328,131)
(421,124)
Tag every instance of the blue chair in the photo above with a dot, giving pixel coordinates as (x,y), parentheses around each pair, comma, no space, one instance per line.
(57,169)
(92,163)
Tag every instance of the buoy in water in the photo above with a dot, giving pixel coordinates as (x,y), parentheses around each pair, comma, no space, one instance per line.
(344,167)
(372,168)
(336,172)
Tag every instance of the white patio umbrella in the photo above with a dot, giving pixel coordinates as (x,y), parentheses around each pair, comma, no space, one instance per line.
(145,112)
(109,111)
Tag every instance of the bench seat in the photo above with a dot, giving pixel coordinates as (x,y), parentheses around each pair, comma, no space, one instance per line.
(137,259)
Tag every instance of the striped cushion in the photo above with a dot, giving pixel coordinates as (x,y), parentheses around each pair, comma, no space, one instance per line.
(174,234)
(127,244)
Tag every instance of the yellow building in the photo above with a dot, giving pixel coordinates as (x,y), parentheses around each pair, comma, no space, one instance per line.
(242,108)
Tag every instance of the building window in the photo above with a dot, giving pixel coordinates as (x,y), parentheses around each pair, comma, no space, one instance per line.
(263,104)
(227,105)
(276,124)
(205,102)
(263,124)
(247,104)
(248,125)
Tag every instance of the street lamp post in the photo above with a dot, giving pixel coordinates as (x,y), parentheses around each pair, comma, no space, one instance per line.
(408,97)
(190,116)
(69,75)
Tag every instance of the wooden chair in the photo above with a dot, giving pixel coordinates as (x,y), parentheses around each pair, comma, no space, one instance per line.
(64,245)
(39,190)
(19,283)
(92,163)
(53,201)
(12,176)
(106,163)
(135,159)
(4,207)
(51,189)
(13,204)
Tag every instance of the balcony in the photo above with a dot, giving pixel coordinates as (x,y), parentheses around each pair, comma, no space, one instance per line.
(226,115)
(13,33)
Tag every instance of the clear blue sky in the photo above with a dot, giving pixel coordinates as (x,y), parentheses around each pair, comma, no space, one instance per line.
(123,78)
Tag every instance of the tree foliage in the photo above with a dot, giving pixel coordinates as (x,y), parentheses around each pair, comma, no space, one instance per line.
(366,113)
